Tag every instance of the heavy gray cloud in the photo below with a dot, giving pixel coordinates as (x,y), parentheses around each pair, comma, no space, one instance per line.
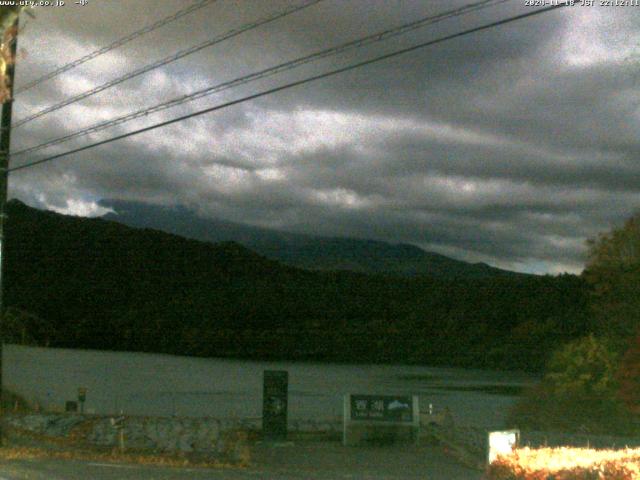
(510,146)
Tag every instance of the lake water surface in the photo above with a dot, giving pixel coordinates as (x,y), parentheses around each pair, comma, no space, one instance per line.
(152,384)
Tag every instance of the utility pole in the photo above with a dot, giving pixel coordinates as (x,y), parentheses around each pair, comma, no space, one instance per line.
(5,143)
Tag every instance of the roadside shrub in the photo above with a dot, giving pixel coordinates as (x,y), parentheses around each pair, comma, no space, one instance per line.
(629,377)
(579,393)
(566,464)
(12,402)
(234,446)
(585,366)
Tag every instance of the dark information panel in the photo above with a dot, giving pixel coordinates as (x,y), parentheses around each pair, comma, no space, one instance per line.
(383,408)
(274,405)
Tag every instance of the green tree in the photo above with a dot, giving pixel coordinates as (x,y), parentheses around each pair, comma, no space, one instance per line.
(629,377)
(24,328)
(613,272)
(579,392)
(583,367)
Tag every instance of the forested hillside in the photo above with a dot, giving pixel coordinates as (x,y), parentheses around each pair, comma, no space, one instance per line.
(92,283)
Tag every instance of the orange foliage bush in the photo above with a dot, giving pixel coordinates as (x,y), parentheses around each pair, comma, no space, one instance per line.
(6,59)
(567,464)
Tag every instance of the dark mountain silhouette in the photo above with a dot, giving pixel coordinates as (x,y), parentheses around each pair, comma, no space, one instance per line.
(303,251)
(91,283)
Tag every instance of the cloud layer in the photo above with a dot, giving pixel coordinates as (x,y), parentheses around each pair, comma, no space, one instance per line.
(510,146)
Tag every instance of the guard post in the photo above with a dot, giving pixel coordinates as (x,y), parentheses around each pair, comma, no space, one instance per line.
(118,424)
(274,405)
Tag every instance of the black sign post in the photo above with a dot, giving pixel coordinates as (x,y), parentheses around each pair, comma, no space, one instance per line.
(274,405)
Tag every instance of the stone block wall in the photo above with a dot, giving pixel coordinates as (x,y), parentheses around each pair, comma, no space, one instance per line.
(161,434)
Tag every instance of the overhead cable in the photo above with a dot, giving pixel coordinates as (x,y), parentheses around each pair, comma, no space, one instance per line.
(359,43)
(172,58)
(118,43)
(292,84)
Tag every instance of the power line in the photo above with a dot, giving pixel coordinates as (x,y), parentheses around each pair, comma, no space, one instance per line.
(292,84)
(118,43)
(172,58)
(376,37)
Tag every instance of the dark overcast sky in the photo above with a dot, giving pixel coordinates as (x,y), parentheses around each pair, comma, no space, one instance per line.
(510,146)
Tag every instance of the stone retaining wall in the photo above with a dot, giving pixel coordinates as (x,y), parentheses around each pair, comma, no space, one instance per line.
(160,434)
(182,434)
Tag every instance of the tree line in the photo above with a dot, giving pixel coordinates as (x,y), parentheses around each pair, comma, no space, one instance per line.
(593,383)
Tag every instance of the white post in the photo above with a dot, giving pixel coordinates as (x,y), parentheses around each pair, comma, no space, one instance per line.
(416,419)
(346,419)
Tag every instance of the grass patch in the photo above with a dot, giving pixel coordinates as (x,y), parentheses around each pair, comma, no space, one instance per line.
(115,456)
(25,444)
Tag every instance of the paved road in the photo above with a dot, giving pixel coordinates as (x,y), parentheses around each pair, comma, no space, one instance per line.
(289,462)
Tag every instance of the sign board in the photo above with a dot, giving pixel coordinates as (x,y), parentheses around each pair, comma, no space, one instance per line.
(381,408)
(502,443)
(274,405)
(379,411)
(118,422)
(71,406)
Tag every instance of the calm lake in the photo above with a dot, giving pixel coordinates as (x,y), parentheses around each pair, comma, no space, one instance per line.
(151,384)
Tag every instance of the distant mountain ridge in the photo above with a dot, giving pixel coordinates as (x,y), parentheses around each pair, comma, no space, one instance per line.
(299,250)
(77,282)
